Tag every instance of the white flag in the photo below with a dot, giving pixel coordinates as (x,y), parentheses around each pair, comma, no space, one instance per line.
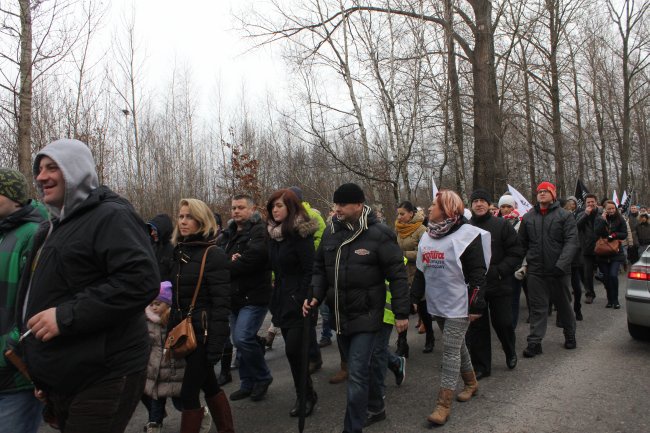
(523,205)
(434,188)
(624,198)
(615,198)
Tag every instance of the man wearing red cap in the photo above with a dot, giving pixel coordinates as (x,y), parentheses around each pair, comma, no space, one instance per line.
(549,235)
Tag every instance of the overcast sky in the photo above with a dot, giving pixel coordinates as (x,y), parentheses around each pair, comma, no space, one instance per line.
(202,34)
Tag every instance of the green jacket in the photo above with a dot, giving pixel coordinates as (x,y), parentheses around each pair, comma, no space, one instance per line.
(16,238)
(313,214)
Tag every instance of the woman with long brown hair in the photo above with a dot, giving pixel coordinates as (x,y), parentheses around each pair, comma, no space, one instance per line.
(291,252)
(613,227)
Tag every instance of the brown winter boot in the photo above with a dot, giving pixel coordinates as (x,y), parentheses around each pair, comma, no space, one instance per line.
(471,387)
(220,411)
(342,374)
(440,414)
(191,420)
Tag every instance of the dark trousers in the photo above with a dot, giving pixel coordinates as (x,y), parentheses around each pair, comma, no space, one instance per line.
(156,407)
(576,284)
(314,348)
(199,375)
(425,317)
(105,407)
(478,338)
(293,349)
(541,290)
(610,278)
(516,300)
(588,267)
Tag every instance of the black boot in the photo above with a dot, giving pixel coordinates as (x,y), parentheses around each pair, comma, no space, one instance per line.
(225,376)
(402,345)
(429,343)
(310,403)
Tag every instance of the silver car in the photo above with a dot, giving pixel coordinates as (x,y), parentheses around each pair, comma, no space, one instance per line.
(637,297)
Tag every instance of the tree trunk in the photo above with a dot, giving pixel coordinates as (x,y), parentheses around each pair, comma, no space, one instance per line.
(552,6)
(488,158)
(25,96)
(530,145)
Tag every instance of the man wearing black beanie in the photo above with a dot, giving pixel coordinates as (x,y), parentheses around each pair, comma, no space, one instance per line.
(356,256)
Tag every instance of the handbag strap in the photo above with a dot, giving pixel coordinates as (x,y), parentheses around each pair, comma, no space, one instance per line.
(198,283)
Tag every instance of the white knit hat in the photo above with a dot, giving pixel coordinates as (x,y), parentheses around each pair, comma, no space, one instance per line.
(507,199)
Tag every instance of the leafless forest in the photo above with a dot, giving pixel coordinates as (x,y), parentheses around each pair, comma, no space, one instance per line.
(387,93)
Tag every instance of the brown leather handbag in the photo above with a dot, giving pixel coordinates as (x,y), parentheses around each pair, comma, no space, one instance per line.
(605,247)
(181,340)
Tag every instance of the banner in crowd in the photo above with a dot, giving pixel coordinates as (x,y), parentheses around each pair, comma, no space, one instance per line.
(625,202)
(581,193)
(615,198)
(434,188)
(523,205)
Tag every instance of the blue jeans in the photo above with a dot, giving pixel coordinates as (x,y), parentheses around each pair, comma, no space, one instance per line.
(358,349)
(244,325)
(20,412)
(381,359)
(325,315)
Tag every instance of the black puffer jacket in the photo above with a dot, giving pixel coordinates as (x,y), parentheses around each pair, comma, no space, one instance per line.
(164,250)
(351,267)
(614,228)
(586,233)
(507,253)
(99,271)
(474,271)
(212,308)
(292,261)
(250,274)
(550,240)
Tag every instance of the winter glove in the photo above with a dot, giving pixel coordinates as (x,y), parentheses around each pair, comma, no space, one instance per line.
(476,301)
(520,274)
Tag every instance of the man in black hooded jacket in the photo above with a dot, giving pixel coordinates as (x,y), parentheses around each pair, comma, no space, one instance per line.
(160,231)
(507,255)
(92,275)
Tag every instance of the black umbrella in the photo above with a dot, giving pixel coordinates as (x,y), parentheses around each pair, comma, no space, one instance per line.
(304,369)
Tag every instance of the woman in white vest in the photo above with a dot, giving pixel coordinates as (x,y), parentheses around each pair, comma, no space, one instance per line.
(452,261)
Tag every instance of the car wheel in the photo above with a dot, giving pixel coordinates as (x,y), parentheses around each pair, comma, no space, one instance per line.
(638,332)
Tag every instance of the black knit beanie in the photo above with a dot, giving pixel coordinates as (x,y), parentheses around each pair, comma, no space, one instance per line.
(480,194)
(13,185)
(349,193)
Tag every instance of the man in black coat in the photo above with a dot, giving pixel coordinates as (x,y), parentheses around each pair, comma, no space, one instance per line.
(92,275)
(245,243)
(507,255)
(160,232)
(587,236)
(549,236)
(356,256)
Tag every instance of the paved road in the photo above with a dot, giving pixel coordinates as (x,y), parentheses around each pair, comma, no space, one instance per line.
(602,386)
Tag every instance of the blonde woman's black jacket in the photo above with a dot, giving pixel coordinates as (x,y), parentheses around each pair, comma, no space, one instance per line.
(98,269)
(351,267)
(210,317)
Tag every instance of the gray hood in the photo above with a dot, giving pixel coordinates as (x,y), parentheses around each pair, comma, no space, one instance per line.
(78,167)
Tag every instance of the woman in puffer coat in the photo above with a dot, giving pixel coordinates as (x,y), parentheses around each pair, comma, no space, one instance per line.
(193,239)
(410,228)
(291,252)
(611,226)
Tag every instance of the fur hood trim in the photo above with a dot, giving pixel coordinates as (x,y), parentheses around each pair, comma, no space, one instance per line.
(151,316)
(306,228)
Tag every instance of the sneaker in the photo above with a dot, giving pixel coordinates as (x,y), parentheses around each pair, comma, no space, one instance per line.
(324,342)
(240,394)
(153,427)
(609,306)
(374,418)
(399,370)
(259,390)
(206,422)
(617,306)
(532,350)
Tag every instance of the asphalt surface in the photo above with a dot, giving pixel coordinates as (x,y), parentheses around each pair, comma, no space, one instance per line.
(602,386)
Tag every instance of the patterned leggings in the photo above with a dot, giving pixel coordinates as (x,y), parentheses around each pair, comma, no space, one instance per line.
(455,357)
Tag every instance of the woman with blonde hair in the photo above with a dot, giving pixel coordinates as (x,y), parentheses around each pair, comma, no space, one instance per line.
(451,262)
(194,238)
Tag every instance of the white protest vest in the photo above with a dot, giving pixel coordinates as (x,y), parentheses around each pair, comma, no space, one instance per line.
(439,260)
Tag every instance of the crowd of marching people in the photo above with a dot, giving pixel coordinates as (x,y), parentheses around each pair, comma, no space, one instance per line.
(101,312)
